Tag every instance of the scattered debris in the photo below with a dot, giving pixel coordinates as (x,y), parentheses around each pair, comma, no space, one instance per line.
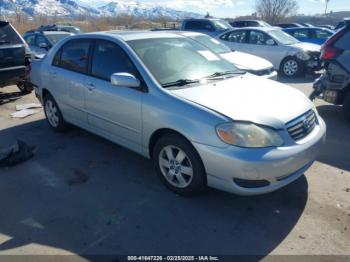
(32,223)
(24,113)
(15,154)
(339,205)
(347,190)
(79,178)
(28,106)
(302,237)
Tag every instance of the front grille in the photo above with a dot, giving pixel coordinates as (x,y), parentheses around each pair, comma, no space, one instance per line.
(300,127)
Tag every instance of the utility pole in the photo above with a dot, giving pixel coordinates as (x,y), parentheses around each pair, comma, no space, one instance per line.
(327,2)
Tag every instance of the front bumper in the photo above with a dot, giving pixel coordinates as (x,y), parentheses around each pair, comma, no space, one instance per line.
(272,76)
(278,166)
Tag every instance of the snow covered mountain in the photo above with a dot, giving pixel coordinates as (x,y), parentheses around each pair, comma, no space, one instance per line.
(139,9)
(79,8)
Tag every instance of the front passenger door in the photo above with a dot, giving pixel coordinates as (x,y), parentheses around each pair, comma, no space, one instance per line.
(113,111)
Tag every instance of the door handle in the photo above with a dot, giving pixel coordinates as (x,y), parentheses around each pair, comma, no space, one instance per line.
(90,86)
(53,74)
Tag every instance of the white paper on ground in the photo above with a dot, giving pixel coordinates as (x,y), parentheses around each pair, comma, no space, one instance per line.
(24,113)
(28,106)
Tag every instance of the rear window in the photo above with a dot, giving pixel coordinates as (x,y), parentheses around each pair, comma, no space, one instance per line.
(8,35)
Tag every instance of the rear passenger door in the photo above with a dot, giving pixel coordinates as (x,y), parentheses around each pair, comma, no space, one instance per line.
(12,54)
(67,78)
(113,112)
(236,40)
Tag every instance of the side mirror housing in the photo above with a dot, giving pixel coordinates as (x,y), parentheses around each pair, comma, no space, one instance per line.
(43,45)
(125,80)
(270,42)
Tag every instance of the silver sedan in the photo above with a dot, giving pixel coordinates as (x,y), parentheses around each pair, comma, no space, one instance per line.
(165,96)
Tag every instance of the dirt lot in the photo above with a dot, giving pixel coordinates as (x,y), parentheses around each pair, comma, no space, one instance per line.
(83,195)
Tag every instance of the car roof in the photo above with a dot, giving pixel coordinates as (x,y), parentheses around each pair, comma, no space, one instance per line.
(265,29)
(201,19)
(308,28)
(137,35)
(56,33)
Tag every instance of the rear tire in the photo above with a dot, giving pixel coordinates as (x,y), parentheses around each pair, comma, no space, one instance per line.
(53,114)
(179,166)
(346,107)
(25,87)
(292,67)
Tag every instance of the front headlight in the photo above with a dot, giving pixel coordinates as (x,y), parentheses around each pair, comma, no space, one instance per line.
(248,135)
(303,56)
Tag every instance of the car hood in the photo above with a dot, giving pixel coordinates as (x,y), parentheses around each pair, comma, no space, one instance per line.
(250,98)
(246,61)
(308,47)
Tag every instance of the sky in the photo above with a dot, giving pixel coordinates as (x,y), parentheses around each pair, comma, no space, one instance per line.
(233,8)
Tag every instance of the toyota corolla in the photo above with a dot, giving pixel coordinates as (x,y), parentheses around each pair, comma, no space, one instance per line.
(201,120)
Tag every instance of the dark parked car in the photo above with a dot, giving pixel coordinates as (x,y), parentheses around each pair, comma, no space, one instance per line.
(334,85)
(307,25)
(289,25)
(340,25)
(249,23)
(14,58)
(314,35)
(208,26)
(67,28)
(331,27)
(41,41)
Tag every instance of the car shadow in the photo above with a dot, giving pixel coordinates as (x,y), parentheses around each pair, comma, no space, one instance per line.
(310,77)
(117,205)
(336,151)
(9,97)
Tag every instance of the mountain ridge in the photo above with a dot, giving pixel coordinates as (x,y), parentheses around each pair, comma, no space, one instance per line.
(74,8)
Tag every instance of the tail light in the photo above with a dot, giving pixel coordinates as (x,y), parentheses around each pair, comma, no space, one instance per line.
(328,50)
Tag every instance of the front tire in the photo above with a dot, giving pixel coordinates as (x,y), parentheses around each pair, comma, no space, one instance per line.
(346,107)
(53,114)
(292,67)
(179,166)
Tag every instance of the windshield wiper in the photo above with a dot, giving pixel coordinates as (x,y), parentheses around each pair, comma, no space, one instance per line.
(181,82)
(219,74)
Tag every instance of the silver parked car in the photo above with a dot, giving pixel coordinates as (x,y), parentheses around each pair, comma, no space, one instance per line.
(201,121)
(288,55)
(243,61)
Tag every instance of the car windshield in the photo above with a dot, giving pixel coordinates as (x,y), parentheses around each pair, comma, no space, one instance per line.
(283,37)
(174,59)
(54,38)
(221,25)
(8,35)
(212,44)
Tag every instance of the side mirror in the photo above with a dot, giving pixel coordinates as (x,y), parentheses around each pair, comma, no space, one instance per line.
(210,28)
(125,80)
(43,45)
(270,42)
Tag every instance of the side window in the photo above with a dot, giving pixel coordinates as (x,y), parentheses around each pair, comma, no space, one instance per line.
(108,58)
(258,38)
(322,34)
(236,36)
(192,25)
(40,39)
(30,39)
(74,56)
(301,33)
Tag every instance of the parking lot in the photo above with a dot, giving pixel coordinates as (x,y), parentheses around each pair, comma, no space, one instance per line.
(81,194)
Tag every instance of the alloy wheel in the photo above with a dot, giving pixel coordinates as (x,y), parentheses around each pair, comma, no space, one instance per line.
(52,113)
(175,166)
(290,67)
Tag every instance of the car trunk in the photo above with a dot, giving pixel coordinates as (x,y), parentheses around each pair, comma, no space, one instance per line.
(12,55)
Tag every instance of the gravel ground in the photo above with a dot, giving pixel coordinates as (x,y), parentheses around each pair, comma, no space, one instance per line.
(81,194)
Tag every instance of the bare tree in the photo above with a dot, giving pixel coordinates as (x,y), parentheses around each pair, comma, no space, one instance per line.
(274,11)
(327,2)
